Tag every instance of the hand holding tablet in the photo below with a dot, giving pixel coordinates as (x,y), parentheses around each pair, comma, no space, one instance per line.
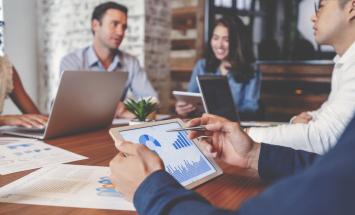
(131,166)
(181,156)
(187,102)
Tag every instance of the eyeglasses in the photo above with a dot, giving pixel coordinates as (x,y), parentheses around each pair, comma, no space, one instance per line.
(316,6)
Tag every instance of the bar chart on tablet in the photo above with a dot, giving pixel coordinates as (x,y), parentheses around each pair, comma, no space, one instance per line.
(181,157)
(181,141)
(188,169)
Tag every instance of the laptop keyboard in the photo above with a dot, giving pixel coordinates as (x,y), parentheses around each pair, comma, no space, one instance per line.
(29,130)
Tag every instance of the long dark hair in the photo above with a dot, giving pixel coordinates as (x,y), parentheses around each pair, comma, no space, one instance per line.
(241,56)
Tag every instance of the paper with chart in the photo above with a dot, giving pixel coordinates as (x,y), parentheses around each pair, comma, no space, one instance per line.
(19,154)
(67,186)
(182,159)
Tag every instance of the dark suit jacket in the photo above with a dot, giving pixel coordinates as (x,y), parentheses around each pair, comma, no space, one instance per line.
(310,184)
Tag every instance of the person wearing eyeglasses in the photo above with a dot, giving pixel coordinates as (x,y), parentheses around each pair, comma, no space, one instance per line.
(319,130)
(11,85)
(306,183)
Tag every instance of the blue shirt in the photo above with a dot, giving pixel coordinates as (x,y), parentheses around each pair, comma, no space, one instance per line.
(245,95)
(311,184)
(86,59)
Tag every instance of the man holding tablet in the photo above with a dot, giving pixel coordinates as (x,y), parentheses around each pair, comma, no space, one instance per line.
(168,139)
(139,174)
(314,184)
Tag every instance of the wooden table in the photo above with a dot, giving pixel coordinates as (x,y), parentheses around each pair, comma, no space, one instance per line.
(227,191)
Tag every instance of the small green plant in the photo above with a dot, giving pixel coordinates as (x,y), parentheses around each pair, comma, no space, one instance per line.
(142,108)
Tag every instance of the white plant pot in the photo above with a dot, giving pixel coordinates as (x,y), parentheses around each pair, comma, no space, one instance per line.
(136,122)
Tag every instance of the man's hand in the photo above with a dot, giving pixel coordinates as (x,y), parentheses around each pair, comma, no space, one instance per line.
(25,120)
(183,108)
(226,141)
(303,117)
(122,112)
(131,166)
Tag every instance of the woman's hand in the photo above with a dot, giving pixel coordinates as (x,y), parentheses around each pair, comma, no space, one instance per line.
(183,109)
(25,120)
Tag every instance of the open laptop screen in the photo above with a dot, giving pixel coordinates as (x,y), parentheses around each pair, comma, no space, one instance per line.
(217,96)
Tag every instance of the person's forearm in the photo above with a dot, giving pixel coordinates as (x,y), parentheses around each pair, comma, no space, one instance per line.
(21,98)
(160,193)
(25,104)
(276,162)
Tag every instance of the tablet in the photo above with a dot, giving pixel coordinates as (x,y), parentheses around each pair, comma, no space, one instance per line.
(182,157)
(191,98)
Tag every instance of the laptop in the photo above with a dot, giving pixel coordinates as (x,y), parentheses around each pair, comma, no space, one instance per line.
(85,101)
(217,97)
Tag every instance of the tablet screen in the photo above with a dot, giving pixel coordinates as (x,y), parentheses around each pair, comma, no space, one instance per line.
(182,158)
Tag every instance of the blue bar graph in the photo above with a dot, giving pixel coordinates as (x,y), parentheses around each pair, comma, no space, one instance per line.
(19,146)
(181,141)
(188,169)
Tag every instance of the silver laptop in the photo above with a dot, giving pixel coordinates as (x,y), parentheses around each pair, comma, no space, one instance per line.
(85,101)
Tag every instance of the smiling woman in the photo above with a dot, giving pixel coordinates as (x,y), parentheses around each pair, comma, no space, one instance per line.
(229,53)
(230,48)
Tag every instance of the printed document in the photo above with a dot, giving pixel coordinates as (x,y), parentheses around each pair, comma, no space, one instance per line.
(19,154)
(67,186)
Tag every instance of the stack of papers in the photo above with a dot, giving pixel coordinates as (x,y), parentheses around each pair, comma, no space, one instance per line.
(20,154)
(67,186)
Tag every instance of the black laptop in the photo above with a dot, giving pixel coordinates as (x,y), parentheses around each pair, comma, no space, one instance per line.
(217,97)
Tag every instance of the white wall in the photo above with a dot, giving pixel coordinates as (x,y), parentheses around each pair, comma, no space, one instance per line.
(21,44)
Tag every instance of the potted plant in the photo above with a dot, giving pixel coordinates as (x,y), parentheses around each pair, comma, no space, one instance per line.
(141,108)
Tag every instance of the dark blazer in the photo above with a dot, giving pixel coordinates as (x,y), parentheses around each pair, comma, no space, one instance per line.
(306,184)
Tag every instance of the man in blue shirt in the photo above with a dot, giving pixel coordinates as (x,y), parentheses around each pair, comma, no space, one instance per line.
(312,184)
(109,23)
(326,187)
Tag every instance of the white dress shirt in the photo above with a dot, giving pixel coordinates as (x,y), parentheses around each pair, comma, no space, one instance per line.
(328,122)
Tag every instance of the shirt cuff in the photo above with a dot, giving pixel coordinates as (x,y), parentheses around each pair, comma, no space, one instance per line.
(294,117)
(268,162)
(275,162)
(257,134)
